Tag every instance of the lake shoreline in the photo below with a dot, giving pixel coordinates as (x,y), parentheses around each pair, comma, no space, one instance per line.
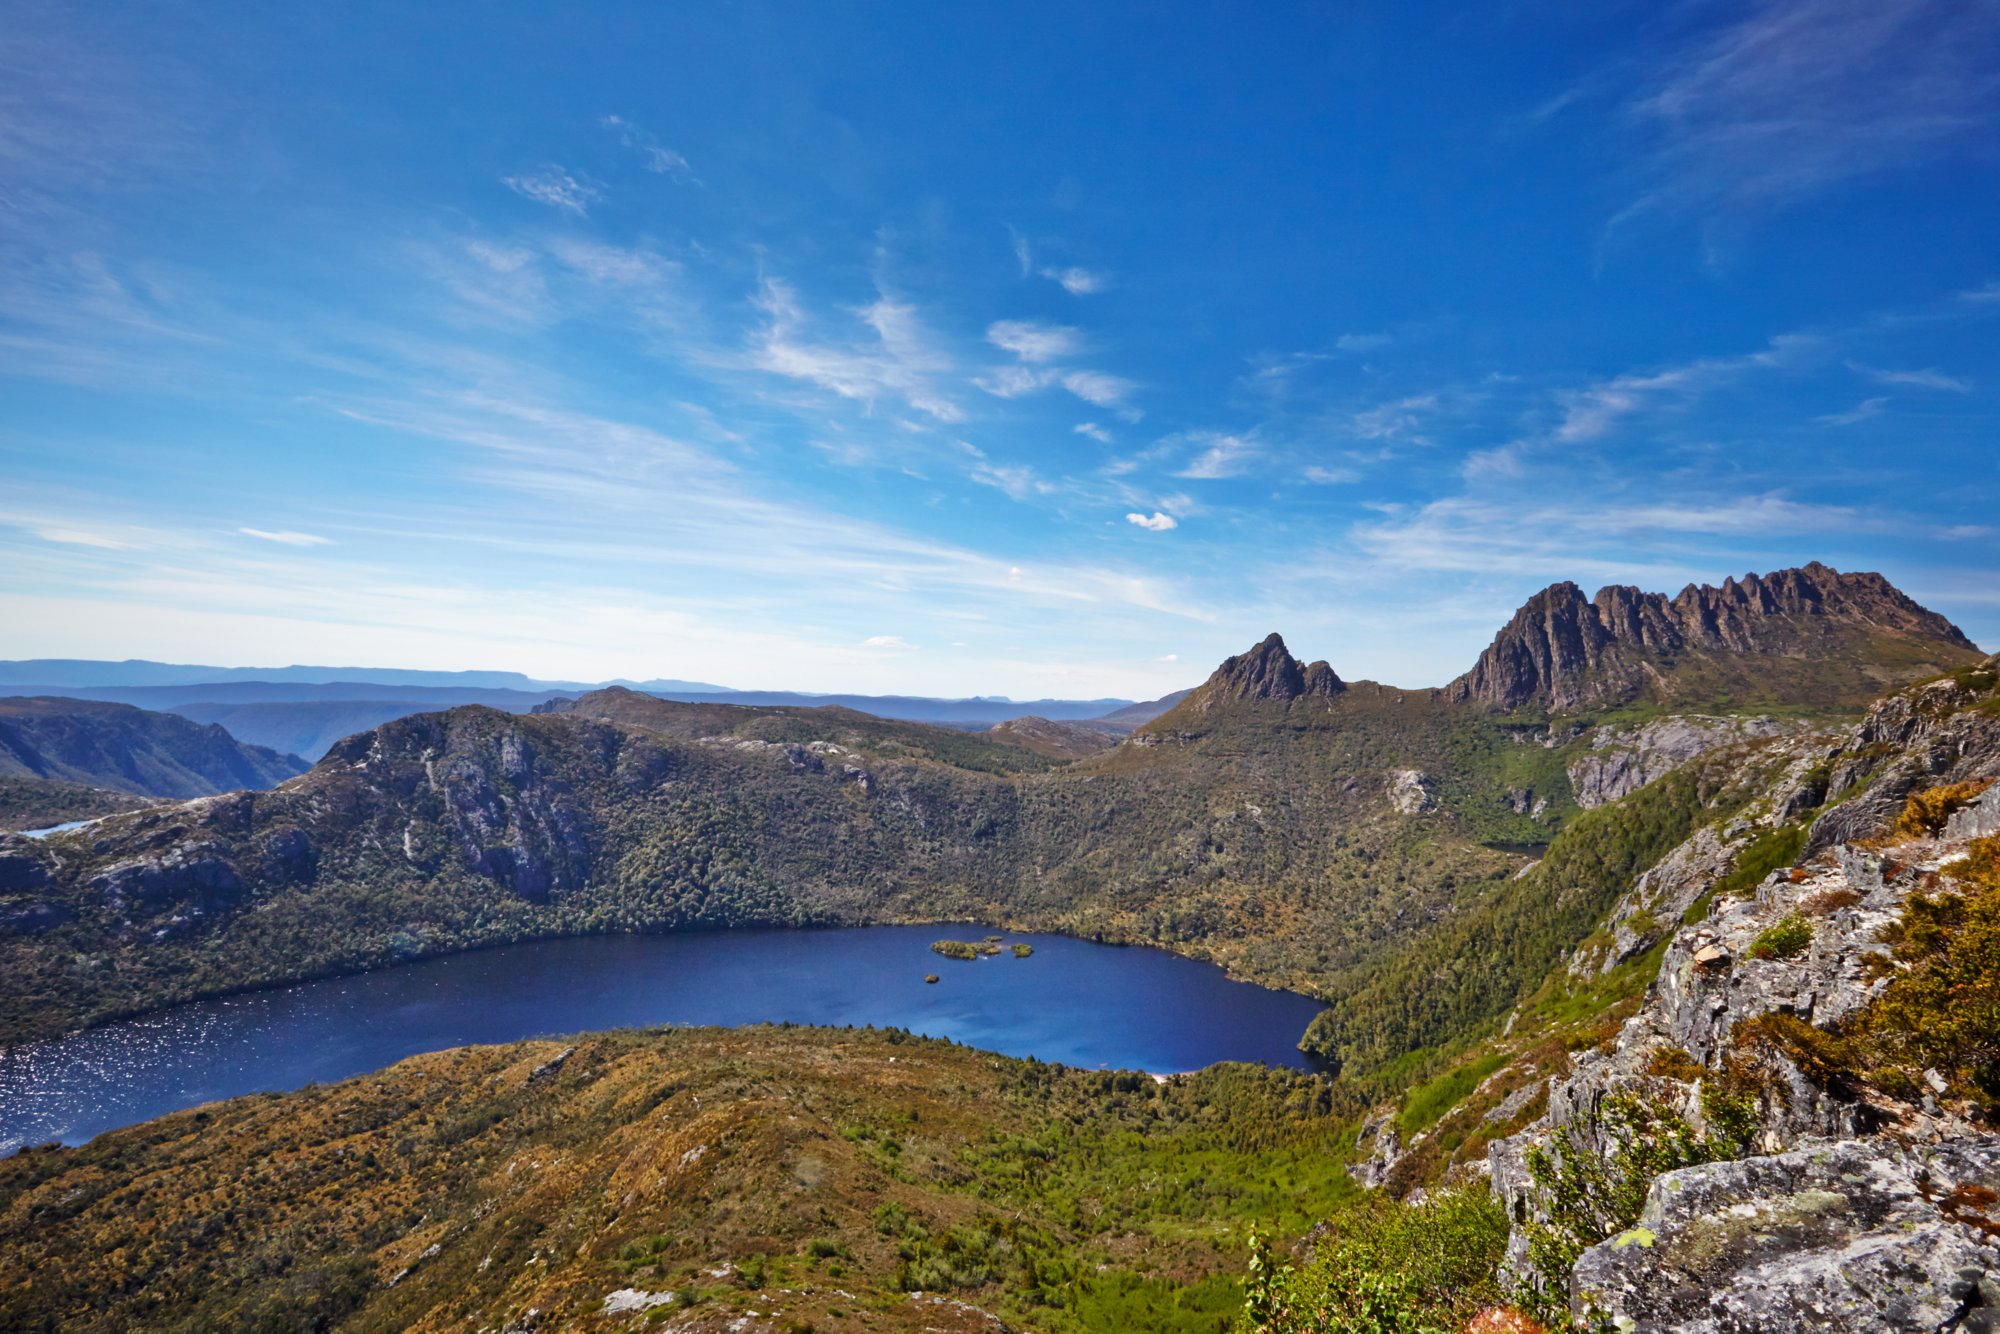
(1084,1004)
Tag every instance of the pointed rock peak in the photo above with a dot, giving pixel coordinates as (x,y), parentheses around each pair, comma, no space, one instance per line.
(1266,672)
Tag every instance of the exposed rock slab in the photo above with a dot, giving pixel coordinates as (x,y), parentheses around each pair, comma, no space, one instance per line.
(1850,1235)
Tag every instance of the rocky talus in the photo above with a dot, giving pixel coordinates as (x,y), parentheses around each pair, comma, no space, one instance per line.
(1845,1206)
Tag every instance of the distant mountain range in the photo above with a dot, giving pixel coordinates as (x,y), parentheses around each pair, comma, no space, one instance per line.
(141,672)
(116,746)
(304,710)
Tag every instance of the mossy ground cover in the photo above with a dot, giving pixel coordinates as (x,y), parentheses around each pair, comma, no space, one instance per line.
(816,1176)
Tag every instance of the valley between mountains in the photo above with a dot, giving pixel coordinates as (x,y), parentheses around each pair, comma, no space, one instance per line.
(1655,872)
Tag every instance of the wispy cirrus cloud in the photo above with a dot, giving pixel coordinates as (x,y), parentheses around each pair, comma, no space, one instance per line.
(1072,278)
(1220,455)
(286,537)
(1078,281)
(1101,390)
(1796,96)
(655,156)
(1038,347)
(1035,342)
(1916,379)
(1860,412)
(902,361)
(616,266)
(1647,542)
(557,188)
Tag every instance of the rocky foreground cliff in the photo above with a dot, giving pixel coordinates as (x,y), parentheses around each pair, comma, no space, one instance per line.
(1794,1126)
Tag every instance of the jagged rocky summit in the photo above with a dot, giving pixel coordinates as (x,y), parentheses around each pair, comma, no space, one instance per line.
(1267,673)
(1810,635)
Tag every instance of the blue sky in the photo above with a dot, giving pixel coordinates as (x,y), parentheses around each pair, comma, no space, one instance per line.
(1036,349)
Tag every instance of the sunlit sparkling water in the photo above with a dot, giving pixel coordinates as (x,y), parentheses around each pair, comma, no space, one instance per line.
(1074,1002)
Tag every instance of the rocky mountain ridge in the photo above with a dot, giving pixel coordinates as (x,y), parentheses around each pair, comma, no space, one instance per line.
(1811,634)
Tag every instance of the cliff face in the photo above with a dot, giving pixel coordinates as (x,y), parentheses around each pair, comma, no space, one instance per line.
(1810,635)
(131,750)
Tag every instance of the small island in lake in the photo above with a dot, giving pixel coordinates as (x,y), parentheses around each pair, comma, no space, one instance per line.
(963,949)
(1022,951)
(930,978)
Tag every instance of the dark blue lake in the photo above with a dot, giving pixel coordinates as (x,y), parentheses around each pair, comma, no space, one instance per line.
(1071,1001)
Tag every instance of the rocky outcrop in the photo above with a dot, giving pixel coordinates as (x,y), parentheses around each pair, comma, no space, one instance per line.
(1268,673)
(1411,792)
(1855,1210)
(1849,1235)
(1810,635)
(131,750)
(1621,760)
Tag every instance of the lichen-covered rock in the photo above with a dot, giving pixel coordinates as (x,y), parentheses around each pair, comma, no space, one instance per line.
(1849,1235)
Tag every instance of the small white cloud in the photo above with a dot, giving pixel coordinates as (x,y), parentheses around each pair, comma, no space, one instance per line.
(1094,431)
(1990,292)
(1354,342)
(1035,342)
(1965,532)
(1157,523)
(1168,657)
(286,537)
(1860,412)
(1331,476)
(886,641)
(1923,379)
(1076,281)
(556,188)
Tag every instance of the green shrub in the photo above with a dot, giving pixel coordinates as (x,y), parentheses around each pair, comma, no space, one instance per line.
(1384,1268)
(1590,1196)
(1788,937)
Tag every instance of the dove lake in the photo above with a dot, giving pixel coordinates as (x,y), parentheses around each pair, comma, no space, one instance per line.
(1069,1001)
